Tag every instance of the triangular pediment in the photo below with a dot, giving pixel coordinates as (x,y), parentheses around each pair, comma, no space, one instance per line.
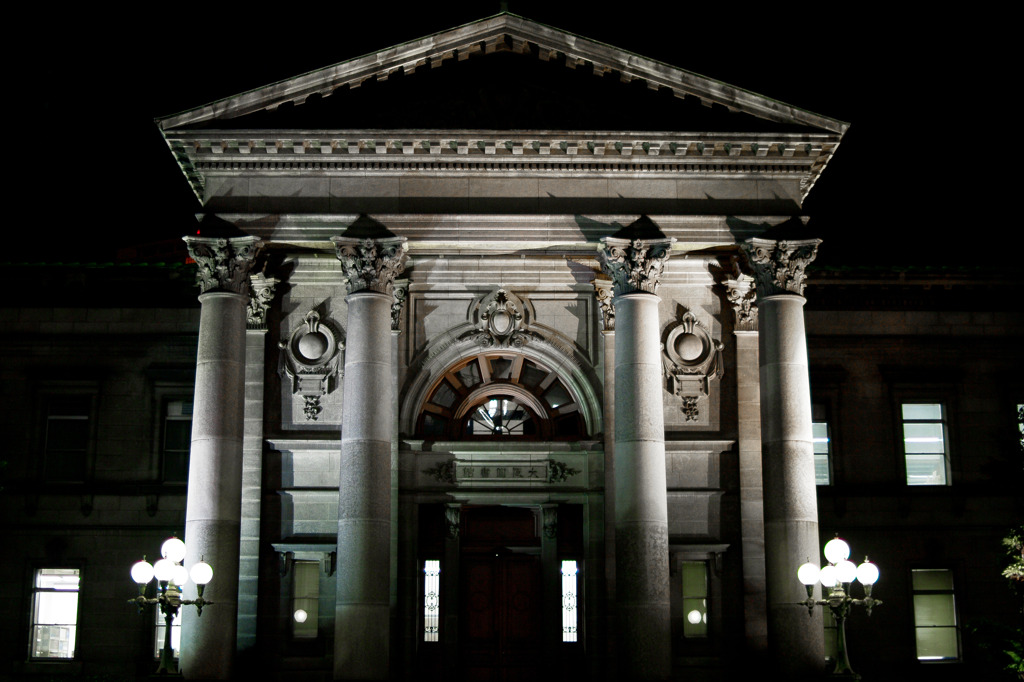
(512,86)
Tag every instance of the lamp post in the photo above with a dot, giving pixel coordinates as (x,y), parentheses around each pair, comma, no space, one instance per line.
(836,580)
(170,576)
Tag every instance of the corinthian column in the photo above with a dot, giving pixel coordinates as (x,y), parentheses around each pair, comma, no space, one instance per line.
(641,507)
(790,496)
(362,606)
(213,511)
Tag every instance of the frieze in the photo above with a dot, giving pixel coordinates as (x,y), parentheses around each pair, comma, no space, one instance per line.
(779,267)
(223,264)
(514,473)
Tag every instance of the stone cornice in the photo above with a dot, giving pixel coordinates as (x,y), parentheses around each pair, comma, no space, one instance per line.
(338,152)
(502,33)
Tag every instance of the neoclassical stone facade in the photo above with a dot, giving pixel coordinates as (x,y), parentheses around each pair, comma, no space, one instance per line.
(487,403)
(480,387)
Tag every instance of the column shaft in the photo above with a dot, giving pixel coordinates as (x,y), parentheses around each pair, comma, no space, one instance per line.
(641,509)
(362,609)
(790,496)
(213,512)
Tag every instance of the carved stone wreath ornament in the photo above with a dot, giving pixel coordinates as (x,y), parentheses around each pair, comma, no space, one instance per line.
(501,321)
(691,359)
(310,358)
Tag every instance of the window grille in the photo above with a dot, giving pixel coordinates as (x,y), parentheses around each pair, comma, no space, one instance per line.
(570,602)
(431,600)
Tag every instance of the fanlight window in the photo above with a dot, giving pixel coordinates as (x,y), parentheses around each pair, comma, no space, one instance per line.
(500,395)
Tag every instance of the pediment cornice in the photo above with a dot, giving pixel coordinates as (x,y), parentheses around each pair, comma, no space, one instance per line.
(503,32)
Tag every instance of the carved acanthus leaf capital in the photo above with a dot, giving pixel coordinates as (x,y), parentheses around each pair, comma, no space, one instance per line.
(399,292)
(370,264)
(779,266)
(634,264)
(223,264)
(740,293)
(262,294)
(605,300)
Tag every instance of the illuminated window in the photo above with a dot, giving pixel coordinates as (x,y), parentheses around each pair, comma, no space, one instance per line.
(570,602)
(161,629)
(924,443)
(305,599)
(935,623)
(822,440)
(499,417)
(431,600)
(54,613)
(695,598)
(177,439)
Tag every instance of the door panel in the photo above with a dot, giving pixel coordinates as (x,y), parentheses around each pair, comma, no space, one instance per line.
(501,617)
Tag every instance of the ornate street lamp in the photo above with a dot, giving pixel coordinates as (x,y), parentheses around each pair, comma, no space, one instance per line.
(836,579)
(170,576)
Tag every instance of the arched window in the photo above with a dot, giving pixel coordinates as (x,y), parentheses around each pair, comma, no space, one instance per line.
(499,395)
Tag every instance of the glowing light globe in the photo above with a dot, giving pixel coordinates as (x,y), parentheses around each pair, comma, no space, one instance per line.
(201,573)
(300,616)
(836,550)
(173,549)
(142,572)
(828,576)
(808,573)
(867,573)
(846,571)
(694,617)
(163,570)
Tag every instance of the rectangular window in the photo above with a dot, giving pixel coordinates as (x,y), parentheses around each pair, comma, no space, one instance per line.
(935,623)
(570,603)
(431,600)
(695,599)
(822,441)
(161,629)
(66,437)
(924,443)
(54,613)
(305,599)
(177,439)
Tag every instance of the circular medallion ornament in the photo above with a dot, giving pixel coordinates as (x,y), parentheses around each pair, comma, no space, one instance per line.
(313,345)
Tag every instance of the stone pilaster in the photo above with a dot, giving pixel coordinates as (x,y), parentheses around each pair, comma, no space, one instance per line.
(641,508)
(213,511)
(252,457)
(790,496)
(739,292)
(362,609)
(605,301)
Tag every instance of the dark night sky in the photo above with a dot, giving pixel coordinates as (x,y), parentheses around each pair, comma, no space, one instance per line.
(924,142)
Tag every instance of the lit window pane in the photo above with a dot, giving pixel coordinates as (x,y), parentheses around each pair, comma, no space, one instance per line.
(695,602)
(55,613)
(924,443)
(305,599)
(570,603)
(431,600)
(935,622)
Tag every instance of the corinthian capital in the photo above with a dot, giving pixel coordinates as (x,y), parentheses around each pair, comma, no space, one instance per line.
(740,294)
(779,266)
(634,264)
(370,264)
(262,294)
(224,263)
